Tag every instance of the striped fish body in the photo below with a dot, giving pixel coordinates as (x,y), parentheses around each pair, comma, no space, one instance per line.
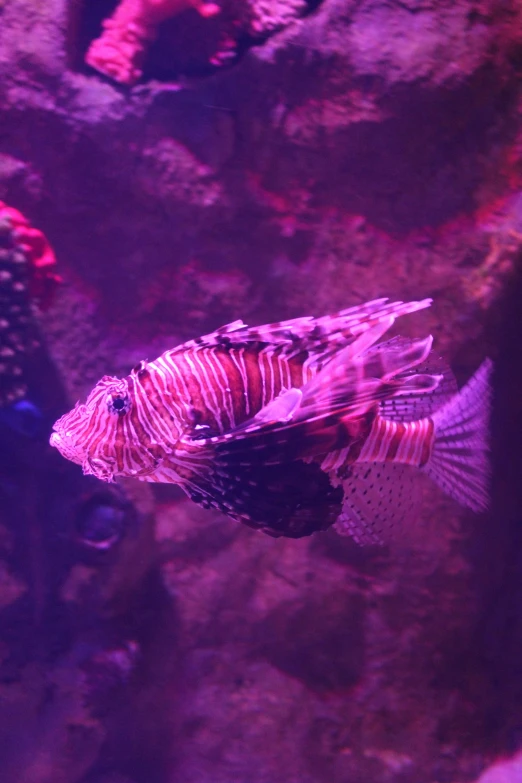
(272,425)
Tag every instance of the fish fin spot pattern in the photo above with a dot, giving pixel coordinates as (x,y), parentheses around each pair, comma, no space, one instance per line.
(381,503)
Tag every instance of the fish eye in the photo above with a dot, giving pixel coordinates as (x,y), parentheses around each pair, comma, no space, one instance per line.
(118,403)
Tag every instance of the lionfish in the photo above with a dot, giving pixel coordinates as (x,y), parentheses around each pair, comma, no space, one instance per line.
(294,426)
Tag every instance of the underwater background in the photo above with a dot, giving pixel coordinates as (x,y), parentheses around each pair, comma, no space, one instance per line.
(262,160)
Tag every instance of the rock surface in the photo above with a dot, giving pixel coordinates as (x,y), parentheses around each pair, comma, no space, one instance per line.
(349,150)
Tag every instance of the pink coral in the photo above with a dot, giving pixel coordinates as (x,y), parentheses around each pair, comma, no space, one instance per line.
(38,251)
(120,50)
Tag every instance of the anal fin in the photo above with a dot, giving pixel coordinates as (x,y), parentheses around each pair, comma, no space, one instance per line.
(381,503)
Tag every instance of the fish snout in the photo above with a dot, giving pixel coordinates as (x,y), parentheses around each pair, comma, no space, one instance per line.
(55,440)
(58,441)
(66,445)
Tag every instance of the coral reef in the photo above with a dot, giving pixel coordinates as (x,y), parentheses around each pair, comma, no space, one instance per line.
(27,275)
(40,256)
(356,151)
(269,16)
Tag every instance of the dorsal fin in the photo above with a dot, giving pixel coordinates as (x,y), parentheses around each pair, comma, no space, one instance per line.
(321,337)
(411,407)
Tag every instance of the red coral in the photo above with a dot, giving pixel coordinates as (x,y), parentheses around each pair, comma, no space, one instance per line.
(35,246)
(120,50)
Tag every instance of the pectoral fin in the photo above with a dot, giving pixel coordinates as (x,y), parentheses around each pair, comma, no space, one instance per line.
(293,500)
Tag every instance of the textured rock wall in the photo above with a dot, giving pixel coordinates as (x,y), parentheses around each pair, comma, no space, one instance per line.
(345,151)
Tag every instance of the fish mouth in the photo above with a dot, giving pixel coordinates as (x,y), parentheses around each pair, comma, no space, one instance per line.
(65,446)
(91,466)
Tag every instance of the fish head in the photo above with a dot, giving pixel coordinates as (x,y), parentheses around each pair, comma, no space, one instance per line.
(101,434)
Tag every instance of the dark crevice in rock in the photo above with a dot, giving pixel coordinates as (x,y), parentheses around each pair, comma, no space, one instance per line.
(321,644)
(417,167)
(84,25)
(497,542)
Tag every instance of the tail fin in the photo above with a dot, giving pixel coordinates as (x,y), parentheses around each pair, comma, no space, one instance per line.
(459,461)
